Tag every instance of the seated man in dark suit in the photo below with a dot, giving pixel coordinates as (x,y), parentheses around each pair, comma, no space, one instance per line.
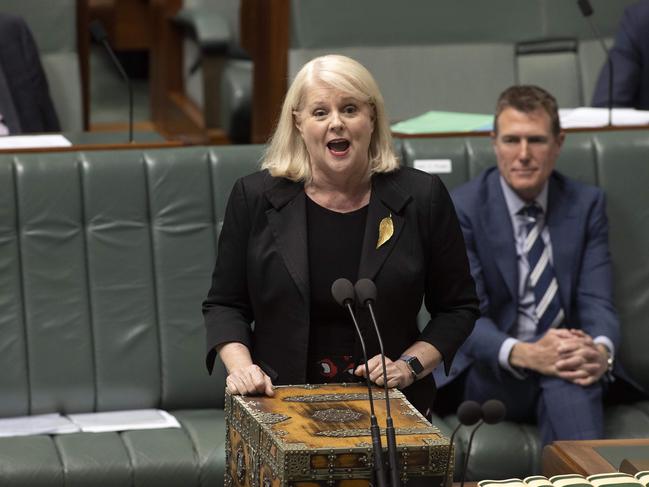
(538,248)
(25,103)
(630,56)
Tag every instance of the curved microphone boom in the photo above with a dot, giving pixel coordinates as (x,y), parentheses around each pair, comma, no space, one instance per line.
(468,414)
(493,411)
(342,291)
(366,296)
(99,34)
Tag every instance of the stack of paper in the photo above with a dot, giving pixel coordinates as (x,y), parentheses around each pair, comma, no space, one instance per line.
(40,424)
(584,117)
(33,141)
(50,424)
(140,419)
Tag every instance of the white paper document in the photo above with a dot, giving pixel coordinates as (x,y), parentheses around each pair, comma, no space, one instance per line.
(57,424)
(33,141)
(39,424)
(598,117)
(138,419)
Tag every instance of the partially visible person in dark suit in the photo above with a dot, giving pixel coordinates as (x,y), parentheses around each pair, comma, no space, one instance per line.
(630,56)
(25,103)
(538,247)
(330,202)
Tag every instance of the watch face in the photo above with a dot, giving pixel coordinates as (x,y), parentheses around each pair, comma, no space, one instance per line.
(416,365)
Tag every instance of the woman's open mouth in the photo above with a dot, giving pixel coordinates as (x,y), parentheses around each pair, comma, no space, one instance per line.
(338,147)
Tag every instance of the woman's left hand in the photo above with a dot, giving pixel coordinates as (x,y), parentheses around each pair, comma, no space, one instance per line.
(398,372)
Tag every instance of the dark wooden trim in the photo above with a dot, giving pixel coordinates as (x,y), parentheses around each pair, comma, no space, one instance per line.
(562,457)
(83,51)
(174,115)
(265,34)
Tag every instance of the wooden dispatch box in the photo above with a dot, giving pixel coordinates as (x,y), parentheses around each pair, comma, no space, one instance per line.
(318,435)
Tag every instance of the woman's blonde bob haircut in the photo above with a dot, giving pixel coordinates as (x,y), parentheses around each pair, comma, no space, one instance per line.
(287,156)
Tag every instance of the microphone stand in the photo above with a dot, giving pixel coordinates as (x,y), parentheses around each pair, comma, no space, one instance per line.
(374,425)
(468,452)
(468,413)
(343,293)
(389,426)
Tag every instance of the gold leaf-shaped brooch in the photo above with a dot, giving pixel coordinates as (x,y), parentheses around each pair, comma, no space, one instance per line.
(386,230)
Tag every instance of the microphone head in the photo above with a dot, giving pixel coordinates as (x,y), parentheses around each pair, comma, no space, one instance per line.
(365,291)
(342,291)
(469,412)
(585,7)
(493,411)
(97,31)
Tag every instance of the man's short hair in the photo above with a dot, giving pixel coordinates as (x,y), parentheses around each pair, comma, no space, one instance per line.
(527,99)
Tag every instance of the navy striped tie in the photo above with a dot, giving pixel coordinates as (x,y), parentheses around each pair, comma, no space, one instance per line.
(541,277)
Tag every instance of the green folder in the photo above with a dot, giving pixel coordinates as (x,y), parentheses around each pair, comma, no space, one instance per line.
(436,122)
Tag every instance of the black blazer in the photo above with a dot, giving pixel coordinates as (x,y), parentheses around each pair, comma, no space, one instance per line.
(261,274)
(25,102)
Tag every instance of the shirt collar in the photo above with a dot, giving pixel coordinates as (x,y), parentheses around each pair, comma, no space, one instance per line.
(515,203)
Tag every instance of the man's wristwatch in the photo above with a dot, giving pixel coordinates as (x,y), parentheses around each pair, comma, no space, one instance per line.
(609,362)
(413,364)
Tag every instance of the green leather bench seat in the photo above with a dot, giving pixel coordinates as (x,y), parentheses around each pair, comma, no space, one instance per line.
(191,456)
(106,256)
(618,162)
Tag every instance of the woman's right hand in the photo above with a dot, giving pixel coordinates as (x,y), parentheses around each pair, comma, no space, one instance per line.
(249,380)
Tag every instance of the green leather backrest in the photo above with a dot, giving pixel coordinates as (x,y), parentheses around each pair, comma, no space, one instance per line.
(105,258)
(622,160)
(618,162)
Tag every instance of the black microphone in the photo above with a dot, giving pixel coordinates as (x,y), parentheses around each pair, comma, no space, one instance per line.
(343,292)
(99,34)
(587,11)
(366,295)
(493,411)
(468,413)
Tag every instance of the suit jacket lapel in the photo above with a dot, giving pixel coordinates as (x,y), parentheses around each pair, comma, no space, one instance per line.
(287,221)
(564,237)
(498,230)
(386,201)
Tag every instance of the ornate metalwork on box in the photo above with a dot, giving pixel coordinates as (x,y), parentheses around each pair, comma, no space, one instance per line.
(297,465)
(351,433)
(299,436)
(354,396)
(270,418)
(336,415)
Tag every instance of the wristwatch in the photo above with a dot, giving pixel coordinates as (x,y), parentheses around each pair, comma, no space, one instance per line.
(413,364)
(609,362)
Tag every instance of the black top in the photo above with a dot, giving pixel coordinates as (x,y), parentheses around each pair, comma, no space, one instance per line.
(261,274)
(334,247)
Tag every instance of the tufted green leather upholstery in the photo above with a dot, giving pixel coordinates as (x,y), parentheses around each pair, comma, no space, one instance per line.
(617,162)
(105,258)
